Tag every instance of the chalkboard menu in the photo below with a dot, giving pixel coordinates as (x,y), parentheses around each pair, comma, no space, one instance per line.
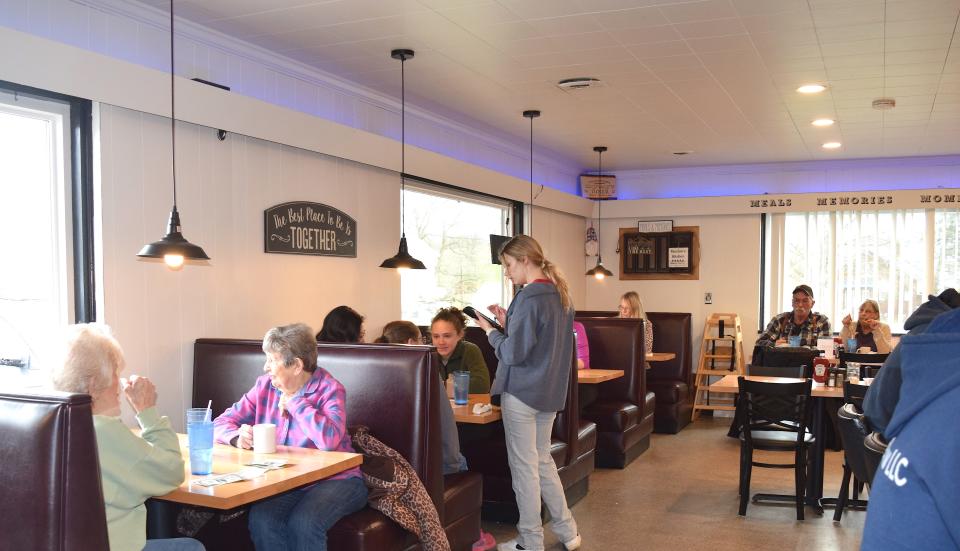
(301,227)
(660,255)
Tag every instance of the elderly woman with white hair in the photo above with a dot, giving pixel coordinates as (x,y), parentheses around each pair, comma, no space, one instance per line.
(132,468)
(308,406)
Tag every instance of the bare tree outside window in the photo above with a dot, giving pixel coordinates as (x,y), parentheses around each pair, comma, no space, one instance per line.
(452,237)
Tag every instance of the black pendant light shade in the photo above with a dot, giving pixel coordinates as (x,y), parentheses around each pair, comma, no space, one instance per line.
(173,244)
(173,248)
(599,271)
(402,260)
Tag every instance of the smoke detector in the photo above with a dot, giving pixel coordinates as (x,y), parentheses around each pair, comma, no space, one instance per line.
(884,103)
(578,83)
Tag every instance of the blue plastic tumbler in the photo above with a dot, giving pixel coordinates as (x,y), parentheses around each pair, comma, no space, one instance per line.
(461,387)
(200,440)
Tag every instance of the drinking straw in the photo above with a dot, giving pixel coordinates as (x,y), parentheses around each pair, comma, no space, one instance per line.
(209,412)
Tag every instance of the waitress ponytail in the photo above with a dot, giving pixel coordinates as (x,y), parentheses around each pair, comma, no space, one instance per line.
(521,246)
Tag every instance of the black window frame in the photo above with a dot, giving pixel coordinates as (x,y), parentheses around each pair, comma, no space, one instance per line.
(81,194)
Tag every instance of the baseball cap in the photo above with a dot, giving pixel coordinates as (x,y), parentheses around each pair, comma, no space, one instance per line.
(805,289)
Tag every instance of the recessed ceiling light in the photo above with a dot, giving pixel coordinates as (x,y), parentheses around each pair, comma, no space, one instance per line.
(811,88)
(823,122)
(831,145)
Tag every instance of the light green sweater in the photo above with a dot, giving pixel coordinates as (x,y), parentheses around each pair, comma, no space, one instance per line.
(133,469)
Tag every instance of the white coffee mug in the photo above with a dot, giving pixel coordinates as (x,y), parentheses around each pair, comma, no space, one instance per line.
(265,438)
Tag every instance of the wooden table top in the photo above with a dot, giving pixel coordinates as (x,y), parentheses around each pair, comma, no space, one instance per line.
(307,465)
(594,376)
(464,414)
(728,384)
(660,356)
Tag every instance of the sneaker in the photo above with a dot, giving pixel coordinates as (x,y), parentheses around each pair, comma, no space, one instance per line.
(511,545)
(485,543)
(572,544)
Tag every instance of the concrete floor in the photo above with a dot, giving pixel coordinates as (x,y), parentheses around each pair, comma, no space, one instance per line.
(681,494)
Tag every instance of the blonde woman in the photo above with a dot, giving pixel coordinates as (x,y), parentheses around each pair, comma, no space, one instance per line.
(869,331)
(631,307)
(535,362)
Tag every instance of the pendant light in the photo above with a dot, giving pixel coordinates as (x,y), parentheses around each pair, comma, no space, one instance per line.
(402,260)
(599,271)
(173,248)
(531,114)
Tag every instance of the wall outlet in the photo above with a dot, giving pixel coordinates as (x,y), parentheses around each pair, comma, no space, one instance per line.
(708,298)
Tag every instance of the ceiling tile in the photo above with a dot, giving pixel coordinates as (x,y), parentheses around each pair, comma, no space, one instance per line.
(850,33)
(637,18)
(663,33)
(777,22)
(763,7)
(539,9)
(698,11)
(722,44)
(715,27)
(659,49)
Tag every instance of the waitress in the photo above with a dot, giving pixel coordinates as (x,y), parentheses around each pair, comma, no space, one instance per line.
(535,362)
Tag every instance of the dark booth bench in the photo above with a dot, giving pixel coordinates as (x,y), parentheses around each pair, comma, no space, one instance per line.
(392,389)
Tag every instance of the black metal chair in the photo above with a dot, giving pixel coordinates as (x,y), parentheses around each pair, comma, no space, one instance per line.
(797,372)
(853,432)
(774,417)
(869,363)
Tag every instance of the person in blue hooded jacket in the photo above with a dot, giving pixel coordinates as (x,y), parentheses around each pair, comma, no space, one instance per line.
(536,359)
(914,494)
(885,391)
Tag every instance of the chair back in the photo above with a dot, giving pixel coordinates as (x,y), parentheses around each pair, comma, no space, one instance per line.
(798,372)
(874,447)
(784,356)
(869,363)
(854,394)
(774,406)
(52,497)
(853,430)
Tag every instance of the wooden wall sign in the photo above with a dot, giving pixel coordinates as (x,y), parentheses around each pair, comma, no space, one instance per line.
(301,227)
(660,255)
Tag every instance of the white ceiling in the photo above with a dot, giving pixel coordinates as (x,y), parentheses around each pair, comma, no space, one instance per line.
(714,76)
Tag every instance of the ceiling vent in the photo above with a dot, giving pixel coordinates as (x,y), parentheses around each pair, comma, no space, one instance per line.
(884,103)
(578,83)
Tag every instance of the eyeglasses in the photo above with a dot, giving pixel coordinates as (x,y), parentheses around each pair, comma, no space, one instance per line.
(803,300)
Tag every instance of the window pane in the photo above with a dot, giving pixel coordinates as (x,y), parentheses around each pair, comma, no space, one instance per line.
(850,256)
(946,264)
(451,235)
(33,295)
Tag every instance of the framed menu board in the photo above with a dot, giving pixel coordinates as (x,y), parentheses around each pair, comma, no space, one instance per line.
(663,255)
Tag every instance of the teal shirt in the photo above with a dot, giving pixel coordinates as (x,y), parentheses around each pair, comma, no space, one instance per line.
(467,356)
(132,469)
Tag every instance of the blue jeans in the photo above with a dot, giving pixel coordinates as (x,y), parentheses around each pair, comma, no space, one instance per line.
(298,520)
(534,473)
(174,544)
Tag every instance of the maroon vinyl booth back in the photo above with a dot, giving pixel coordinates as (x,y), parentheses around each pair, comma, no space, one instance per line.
(670,381)
(623,409)
(52,498)
(392,389)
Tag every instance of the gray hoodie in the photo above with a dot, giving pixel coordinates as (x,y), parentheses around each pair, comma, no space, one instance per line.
(884,392)
(536,354)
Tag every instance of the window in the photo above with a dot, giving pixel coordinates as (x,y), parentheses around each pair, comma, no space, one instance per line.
(42,196)
(449,230)
(896,257)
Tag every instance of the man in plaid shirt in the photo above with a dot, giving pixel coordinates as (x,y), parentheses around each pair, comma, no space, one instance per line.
(802,321)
